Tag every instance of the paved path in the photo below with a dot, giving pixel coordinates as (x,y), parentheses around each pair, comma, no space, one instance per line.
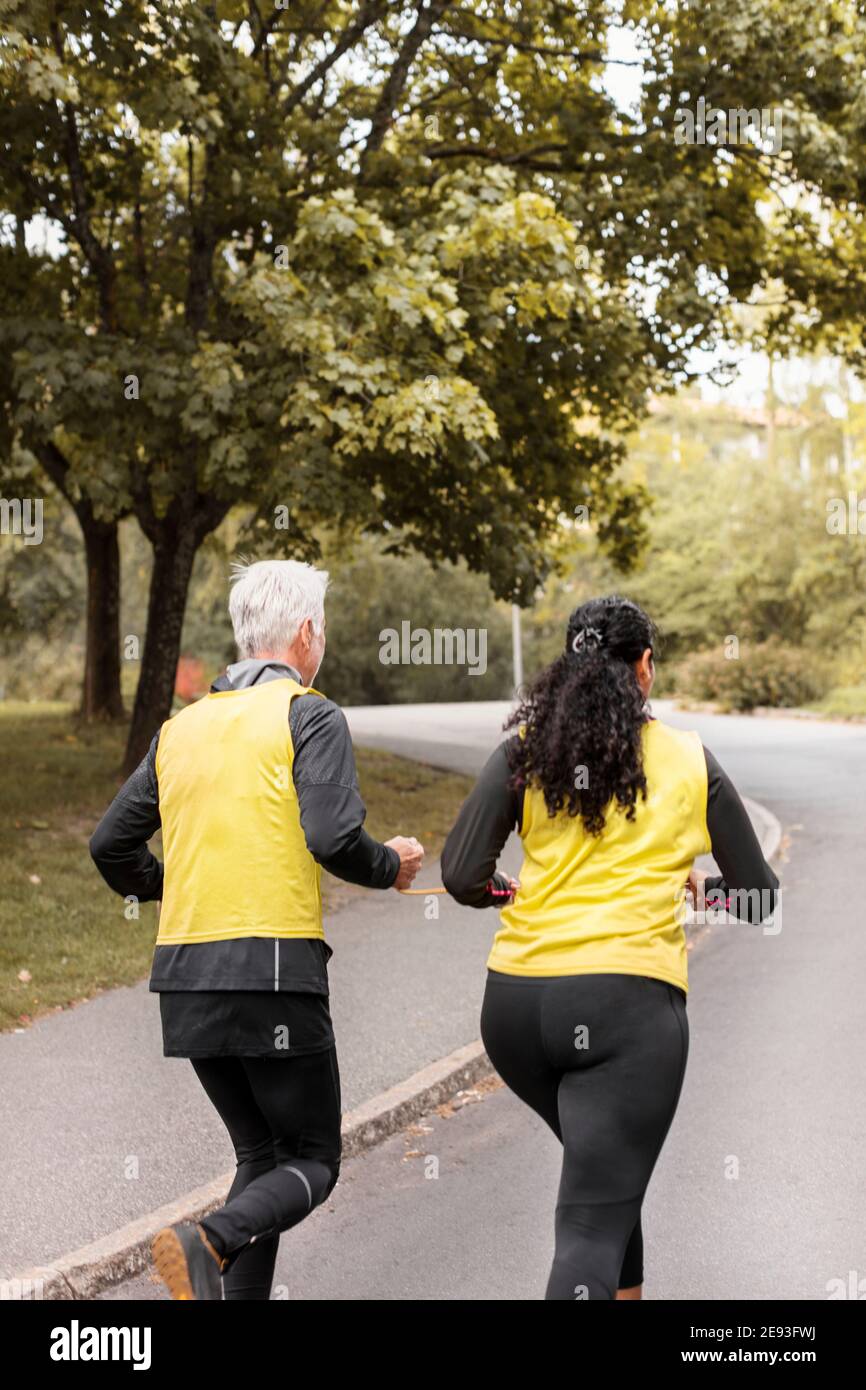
(775,1081)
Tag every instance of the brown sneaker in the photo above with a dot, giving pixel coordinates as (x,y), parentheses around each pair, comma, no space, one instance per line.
(187,1262)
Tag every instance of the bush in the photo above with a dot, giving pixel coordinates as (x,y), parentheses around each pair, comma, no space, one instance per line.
(766,673)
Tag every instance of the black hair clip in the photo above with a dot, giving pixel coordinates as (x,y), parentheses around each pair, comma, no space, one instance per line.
(586,637)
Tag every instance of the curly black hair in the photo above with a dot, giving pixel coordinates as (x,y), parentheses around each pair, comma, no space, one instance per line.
(582,716)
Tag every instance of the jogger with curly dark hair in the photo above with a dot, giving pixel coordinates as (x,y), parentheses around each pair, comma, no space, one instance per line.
(584,1012)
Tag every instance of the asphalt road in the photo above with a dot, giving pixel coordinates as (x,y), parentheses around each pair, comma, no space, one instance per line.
(758,1192)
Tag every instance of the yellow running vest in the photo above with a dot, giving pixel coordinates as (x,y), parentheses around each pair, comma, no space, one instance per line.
(236,861)
(613,903)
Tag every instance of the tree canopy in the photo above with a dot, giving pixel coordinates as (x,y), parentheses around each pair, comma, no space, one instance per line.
(410,264)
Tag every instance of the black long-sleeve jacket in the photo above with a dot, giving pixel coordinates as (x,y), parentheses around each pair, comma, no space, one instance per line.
(332,818)
(494,808)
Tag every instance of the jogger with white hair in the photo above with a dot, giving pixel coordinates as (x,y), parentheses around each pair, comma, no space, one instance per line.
(255,789)
(269,602)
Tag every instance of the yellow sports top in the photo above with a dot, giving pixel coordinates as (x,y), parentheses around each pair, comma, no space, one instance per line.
(614,903)
(236,861)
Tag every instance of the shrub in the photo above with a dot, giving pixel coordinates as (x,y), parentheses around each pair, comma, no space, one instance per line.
(765,673)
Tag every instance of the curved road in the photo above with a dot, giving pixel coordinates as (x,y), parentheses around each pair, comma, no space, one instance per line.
(758,1193)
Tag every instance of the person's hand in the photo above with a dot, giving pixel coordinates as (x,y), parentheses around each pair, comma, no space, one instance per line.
(411,854)
(503,887)
(695,884)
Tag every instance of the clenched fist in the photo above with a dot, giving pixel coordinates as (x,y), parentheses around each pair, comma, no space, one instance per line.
(411,854)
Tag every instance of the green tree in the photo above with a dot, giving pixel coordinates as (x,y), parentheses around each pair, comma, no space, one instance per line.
(486,263)
(372,592)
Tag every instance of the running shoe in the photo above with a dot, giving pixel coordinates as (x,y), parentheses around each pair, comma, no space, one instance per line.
(187,1262)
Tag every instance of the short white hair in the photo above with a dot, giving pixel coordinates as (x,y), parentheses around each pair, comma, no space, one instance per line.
(271,599)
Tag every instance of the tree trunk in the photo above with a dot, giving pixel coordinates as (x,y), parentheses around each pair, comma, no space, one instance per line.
(100,694)
(173,554)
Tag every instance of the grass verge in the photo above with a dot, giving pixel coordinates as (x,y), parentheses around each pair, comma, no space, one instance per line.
(845,702)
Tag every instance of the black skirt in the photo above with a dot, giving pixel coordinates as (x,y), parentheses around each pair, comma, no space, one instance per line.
(244,1023)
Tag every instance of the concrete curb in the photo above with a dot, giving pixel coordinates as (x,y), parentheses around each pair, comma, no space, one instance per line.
(762,711)
(87,1271)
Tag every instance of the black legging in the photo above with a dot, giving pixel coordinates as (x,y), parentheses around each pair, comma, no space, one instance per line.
(601,1058)
(283,1117)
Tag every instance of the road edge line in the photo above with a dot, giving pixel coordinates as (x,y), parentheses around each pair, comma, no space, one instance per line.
(770,834)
